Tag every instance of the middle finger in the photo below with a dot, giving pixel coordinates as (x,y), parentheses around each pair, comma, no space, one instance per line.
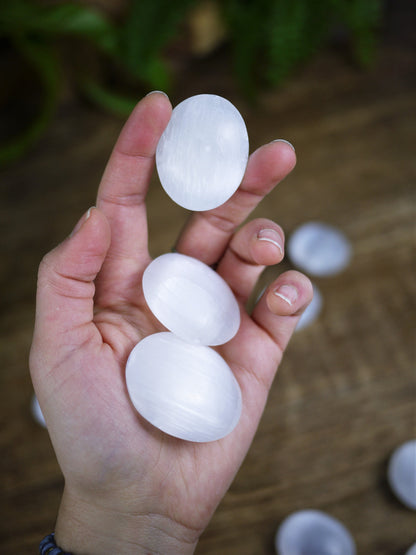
(206,234)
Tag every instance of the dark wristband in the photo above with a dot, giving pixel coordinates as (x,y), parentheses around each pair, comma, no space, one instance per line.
(48,546)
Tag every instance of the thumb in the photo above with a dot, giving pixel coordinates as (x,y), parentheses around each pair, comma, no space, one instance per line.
(65,293)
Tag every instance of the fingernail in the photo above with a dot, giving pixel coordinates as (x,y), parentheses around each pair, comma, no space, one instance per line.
(82,221)
(159,92)
(270,236)
(288,293)
(284,141)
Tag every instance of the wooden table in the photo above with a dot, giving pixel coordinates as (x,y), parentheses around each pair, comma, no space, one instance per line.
(344,397)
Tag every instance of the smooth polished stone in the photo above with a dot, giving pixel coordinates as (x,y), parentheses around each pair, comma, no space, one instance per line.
(402,473)
(311,532)
(191,300)
(202,155)
(37,411)
(319,249)
(187,391)
(312,311)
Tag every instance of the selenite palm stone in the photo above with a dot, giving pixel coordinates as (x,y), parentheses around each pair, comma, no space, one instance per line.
(187,391)
(402,473)
(319,249)
(311,532)
(202,155)
(191,300)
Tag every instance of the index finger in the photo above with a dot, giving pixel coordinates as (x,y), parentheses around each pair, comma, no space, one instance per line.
(123,188)
(206,234)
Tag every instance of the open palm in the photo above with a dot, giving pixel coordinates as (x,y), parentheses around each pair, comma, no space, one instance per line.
(130,488)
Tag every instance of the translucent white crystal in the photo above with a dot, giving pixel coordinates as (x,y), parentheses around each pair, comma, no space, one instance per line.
(202,154)
(37,411)
(319,249)
(191,299)
(187,391)
(313,532)
(312,311)
(402,473)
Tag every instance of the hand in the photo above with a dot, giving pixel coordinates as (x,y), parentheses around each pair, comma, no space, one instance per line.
(130,488)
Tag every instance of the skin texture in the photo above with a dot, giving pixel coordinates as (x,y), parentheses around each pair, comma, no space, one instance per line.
(129,488)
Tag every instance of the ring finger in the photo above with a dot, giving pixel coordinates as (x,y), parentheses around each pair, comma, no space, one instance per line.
(207,234)
(258,244)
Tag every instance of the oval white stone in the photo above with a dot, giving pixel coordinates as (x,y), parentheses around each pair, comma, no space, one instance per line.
(402,473)
(191,299)
(202,154)
(187,391)
(319,249)
(311,531)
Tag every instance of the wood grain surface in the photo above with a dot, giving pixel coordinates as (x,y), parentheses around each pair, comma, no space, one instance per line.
(345,394)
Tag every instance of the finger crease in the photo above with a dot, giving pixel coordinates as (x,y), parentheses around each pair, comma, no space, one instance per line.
(251,194)
(128,200)
(219,222)
(243,260)
(139,155)
(274,339)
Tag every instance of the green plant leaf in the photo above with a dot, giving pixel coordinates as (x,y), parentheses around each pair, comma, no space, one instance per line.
(286,38)
(42,58)
(362,18)
(113,102)
(19,17)
(148,27)
(245,21)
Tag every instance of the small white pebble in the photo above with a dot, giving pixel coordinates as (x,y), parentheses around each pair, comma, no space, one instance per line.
(312,311)
(319,249)
(37,412)
(313,532)
(402,473)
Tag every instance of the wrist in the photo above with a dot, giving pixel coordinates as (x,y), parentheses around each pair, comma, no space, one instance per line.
(86,529)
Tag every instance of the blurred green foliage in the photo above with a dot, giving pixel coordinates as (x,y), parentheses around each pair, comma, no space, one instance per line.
(268,39)
(271,38)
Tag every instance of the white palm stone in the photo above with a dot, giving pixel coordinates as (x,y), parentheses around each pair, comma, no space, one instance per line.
(312,311)
(319,249)
(191,300)
(311,532)
(402,473)
(185,390)
(202,154)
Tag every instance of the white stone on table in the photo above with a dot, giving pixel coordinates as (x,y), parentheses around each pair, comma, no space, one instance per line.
(312,311)
(191,300)
(401,473)
(202,155)
(313,532)
(187,391)
(319,249)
